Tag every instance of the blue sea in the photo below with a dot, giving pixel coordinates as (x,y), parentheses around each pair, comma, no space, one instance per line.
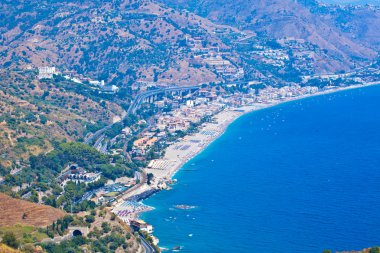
(303,176)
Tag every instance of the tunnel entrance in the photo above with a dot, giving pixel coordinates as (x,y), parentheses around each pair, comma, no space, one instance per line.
(77,233)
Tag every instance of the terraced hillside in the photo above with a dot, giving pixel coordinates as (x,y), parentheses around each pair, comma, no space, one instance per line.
(15,211)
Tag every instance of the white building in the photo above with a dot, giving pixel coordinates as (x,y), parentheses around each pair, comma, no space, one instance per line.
(97,83)
(190,103)
(112,88)
(46,72)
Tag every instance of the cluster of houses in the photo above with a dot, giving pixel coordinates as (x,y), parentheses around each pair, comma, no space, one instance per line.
(140,146)
(271,93)
(77,174)
(214,58)
(180,119)
(49,72)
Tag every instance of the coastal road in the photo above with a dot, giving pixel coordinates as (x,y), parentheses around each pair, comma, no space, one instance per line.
(146,245)
(140,97)
(143,178)
(136,104)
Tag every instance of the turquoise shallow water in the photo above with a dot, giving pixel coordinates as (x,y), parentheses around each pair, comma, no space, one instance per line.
(299,177)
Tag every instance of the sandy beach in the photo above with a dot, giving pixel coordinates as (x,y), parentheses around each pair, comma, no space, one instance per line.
(180,152)
(183,150)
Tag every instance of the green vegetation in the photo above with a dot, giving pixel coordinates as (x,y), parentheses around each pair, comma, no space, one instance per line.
(149,178)
(72,245)
(59,227)
(73,193)
(22,234)
(114,130)
(45,168)
(90,218)
(107,239)
(74,152)
(149,238)
(114,171)
(10,239)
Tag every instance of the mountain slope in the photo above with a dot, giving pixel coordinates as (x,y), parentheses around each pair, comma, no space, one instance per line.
(359,23)
(118,41)
(35,114)
(15,211)
(305,19)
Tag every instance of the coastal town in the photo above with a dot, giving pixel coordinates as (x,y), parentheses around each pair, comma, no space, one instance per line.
(182,125)
(103,102)
(164,127)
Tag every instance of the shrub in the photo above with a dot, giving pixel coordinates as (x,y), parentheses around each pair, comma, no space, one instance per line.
(10,239)
(90,218)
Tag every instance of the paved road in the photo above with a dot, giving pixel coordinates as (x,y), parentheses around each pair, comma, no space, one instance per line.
(146,245)
(140,97)
(135,105)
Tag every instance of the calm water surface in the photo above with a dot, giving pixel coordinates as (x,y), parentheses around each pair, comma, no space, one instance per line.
(299,177)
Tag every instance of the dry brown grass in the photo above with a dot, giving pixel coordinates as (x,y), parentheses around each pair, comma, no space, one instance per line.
(6,249)
(15,211)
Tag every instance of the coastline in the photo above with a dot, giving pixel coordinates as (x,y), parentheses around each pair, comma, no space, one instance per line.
(181,152)
(185,149)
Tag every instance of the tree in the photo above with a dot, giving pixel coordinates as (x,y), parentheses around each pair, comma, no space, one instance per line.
(149,178)
(106,227)
(326,251)
(34,196)
(43,119)
(90,218)
(10,239)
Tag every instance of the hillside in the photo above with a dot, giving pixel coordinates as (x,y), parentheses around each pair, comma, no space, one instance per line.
(15,211)
(118,41)
(122,41)
(127,42)
(358,23)
(36,114)
(6,249)
(347,42)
